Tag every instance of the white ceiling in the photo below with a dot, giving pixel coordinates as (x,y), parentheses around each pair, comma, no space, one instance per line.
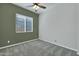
(26,6)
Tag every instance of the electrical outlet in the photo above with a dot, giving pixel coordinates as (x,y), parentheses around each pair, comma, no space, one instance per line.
(8,41)
(55,40)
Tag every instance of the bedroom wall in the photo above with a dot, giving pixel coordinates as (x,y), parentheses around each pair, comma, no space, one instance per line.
(78,28)
(58,25)
(8,23)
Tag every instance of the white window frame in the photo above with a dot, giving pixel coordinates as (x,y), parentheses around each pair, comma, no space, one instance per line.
(25,25)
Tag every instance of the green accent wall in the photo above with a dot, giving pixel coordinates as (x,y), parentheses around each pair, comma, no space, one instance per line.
(8,23)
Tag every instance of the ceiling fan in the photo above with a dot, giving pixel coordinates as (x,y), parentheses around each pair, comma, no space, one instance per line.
(36,6)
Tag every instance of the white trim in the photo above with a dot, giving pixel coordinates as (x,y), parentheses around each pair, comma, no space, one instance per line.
(17,44)
(63,46)
(77,53)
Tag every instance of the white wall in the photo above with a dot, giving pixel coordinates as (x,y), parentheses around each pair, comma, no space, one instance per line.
(78,28)
(58,25)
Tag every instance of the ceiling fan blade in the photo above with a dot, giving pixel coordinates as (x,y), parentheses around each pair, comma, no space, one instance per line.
(42,6)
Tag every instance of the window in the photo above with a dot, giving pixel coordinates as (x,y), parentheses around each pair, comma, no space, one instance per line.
(24,23)
(29,24)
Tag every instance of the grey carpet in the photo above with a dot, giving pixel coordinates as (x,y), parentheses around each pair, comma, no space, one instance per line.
(37,48)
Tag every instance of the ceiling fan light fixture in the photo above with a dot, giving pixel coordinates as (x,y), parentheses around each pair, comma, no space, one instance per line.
(36,7)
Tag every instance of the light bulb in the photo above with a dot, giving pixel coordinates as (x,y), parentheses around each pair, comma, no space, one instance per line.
(37,7)
(34,7)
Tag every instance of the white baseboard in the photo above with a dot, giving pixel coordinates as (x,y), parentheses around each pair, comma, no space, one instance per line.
(17,44)
(77,53)
(63,46)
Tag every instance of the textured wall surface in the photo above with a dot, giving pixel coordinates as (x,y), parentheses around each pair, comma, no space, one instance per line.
(8,23)
(59,25)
